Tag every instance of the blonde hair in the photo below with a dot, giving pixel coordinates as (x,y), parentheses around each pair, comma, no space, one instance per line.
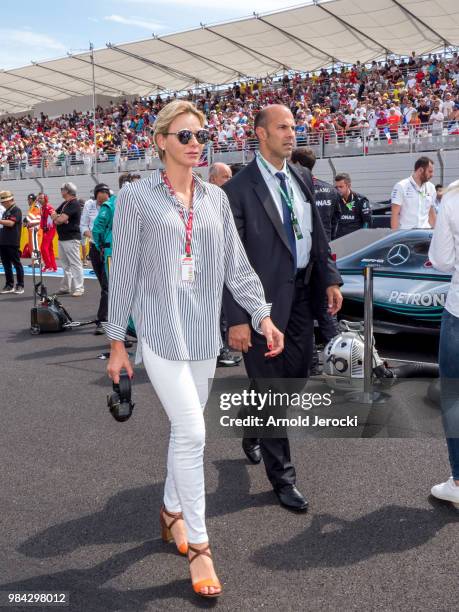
(167,115)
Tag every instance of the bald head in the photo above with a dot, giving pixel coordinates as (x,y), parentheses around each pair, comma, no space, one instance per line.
(275,130)
(219,173)
(270,114)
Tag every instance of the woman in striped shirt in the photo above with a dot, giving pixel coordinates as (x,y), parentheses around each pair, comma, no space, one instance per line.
(175,244)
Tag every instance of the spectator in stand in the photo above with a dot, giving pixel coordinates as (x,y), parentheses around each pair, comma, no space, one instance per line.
(49,231)
(424,111)
(125,130)
(355,211)
(447,107)
(382,124)
(393,121)
(414,122)
(10,236)
(436,120)
(413,198)
(408,111)
(67,221)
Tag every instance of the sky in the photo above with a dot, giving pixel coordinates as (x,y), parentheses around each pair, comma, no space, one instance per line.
(32,30)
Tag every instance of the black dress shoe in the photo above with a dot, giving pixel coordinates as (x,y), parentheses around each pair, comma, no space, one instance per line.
(252,450)
(291,498)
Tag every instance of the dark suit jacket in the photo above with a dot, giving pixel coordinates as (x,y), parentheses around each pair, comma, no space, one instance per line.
(267,246)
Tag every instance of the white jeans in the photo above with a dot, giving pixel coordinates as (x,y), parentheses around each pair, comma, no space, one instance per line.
(69,254)
(183,388)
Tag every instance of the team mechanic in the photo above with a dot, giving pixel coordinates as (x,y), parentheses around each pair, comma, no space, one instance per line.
(326,196)
(355,210)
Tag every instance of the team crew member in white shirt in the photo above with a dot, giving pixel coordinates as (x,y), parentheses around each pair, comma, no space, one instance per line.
(175,245)
(444,255)
(413,198)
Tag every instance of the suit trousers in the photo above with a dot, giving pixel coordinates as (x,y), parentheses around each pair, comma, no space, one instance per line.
(183,388)
(294,362)
(69,253)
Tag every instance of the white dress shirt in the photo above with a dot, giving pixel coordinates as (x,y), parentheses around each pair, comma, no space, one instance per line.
(444,248)
(301,207)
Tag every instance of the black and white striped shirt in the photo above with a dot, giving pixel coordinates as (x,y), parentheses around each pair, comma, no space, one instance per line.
(179,320)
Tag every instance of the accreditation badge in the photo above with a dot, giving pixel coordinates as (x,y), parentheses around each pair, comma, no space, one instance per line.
(187,268)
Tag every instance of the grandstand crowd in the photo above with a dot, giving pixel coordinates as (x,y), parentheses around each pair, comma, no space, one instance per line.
(381,100)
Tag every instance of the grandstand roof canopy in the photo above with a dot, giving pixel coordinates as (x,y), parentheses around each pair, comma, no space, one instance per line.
(303,38)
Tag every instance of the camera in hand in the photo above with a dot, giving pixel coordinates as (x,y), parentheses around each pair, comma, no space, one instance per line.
(120,403)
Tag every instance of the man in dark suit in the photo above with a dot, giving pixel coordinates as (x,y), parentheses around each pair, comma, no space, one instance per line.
(284,238)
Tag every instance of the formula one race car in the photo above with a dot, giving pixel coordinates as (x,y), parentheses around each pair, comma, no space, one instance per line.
(408,293)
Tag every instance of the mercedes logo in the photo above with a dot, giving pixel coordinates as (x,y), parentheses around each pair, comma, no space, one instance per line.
(398,255)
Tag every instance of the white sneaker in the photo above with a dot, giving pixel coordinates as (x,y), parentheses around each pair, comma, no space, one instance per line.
(77,293)
(448,491)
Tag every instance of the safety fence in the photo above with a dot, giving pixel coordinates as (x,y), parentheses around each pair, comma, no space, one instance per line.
(326,144)
(356,142)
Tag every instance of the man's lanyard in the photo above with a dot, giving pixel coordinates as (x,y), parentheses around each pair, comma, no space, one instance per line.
(188,224)
(288,197)
(422,195)
(349,205)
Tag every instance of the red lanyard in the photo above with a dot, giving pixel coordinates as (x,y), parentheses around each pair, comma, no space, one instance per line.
(188,224)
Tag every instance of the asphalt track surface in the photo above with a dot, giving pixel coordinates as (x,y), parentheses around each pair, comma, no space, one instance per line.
(80,494)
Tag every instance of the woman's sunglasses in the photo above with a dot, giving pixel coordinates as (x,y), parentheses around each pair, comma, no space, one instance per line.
(184,136)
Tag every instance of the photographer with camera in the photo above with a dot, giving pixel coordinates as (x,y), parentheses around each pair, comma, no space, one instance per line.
(175,245)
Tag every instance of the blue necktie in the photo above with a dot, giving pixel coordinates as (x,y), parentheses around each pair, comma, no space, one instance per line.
(287,218)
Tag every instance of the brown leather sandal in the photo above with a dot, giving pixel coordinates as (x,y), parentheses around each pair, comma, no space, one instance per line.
(166,533)
(207,582)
